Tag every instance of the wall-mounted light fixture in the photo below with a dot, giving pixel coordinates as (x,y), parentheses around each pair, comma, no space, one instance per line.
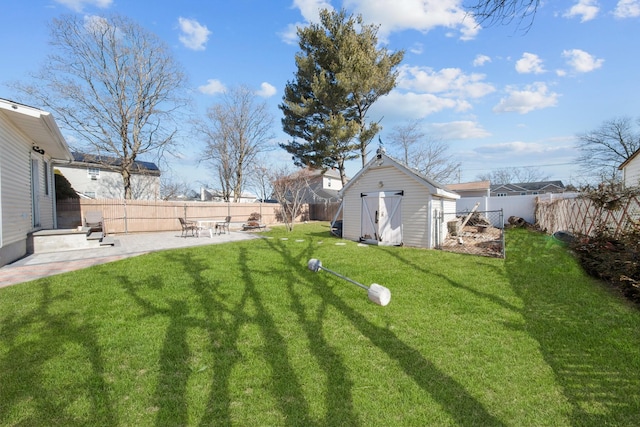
(38,149)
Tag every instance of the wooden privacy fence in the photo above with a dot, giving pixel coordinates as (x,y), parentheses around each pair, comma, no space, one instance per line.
(133,216)
(583,216)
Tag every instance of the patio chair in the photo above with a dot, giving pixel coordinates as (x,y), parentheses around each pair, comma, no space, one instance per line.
(188,225)
(222,226)
(94,221)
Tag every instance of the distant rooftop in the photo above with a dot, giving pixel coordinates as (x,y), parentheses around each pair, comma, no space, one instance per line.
(112,161)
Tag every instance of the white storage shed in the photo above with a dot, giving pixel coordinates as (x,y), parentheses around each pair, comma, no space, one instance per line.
(388,203)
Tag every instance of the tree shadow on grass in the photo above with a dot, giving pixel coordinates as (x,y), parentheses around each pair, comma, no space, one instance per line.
(451,395)
(44,336)
(223,322)
(338,397)
(593,349)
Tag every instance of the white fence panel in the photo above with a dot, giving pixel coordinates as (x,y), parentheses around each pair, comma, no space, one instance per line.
(520,206)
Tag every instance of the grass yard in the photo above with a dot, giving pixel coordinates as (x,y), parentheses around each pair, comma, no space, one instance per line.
(244,334)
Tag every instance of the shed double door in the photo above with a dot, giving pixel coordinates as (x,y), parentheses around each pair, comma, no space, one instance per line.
(381,218)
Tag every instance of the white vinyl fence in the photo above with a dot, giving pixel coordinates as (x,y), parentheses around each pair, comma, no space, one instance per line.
(520,206)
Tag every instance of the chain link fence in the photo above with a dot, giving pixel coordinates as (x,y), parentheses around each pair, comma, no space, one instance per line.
(476,233)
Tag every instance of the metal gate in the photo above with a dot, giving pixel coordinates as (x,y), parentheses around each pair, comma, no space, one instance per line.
(475,233)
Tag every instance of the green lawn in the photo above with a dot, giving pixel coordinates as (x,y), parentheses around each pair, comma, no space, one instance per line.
(244,334)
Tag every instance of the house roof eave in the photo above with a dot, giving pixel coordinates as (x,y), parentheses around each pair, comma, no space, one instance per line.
(40,127)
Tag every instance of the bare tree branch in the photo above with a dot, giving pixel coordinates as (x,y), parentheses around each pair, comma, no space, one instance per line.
(114,86)
(239,128)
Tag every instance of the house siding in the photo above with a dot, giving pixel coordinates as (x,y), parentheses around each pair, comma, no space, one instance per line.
(632,173)
(15,184)
(110,184)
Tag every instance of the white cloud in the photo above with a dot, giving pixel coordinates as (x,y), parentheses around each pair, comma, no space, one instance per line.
(79,5)
(96,24)
(532,97)
(529,63)
(520,148)
(581,61)
(290,34)
(463,129)
(451,82)
(480,60)
(417,48)
(310,9)
(585,9)
(417,15)
(212,87)
(398,106)
(194,35)
(266,90)
(627,9)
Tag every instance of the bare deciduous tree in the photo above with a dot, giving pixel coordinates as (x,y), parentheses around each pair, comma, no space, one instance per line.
(514,175)
(238,129)
(172,188)
(604,149)
(259,179)
(504,11)
(114,86)
(289,189)
(427,155)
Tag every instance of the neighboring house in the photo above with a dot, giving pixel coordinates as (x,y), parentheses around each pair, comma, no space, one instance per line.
(323,186)
(31,143)
(208,195)
(98,177)
(527,188)
(471,189)
(631,170)
(388,203)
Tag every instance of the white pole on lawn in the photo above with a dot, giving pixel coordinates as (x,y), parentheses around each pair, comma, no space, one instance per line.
(377,294)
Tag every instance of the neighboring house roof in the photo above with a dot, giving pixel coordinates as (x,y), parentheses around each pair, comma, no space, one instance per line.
(528,186)
(331,173)
(629,160)
(92,159)
(470,186)
(382,158)
(39,126)
(207,194)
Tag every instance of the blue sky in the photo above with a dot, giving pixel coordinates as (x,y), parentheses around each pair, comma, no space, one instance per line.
(498,96)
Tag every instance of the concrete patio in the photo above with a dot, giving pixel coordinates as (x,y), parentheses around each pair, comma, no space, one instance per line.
(40,265)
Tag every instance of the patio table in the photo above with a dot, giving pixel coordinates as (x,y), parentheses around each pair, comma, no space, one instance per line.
(209,224)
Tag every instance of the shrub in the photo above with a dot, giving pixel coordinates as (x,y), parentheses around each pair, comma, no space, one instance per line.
(613,256)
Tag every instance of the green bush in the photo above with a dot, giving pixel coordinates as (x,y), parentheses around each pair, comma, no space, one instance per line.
(613,257)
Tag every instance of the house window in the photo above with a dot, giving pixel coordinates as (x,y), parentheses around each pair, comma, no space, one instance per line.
(91,194)
(46,177)
(501,195)
(93,173)
(524,193)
